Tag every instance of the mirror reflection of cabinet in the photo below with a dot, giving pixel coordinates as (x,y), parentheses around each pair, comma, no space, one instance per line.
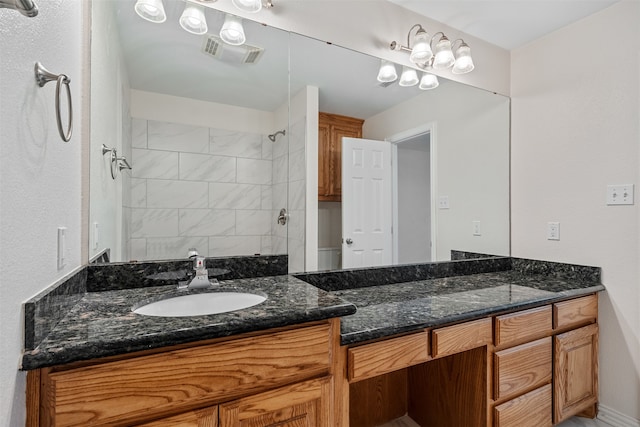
(331,129)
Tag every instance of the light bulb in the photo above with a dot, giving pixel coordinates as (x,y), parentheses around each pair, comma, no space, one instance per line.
(464,63)
(387,72)
(193,20)
(251,6)
(421,51)
(232,31)
(428,81)
(443,57)
(409,77)
(151,10)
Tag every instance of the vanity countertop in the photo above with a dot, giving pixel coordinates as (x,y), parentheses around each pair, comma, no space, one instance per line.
(103,324)
(391,309)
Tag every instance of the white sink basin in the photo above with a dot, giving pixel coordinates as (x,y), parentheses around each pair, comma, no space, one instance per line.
(200,304)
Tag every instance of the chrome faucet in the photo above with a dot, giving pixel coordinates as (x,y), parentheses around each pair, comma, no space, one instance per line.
(201,278)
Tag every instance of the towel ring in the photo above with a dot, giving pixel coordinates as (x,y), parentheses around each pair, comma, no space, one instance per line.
(44,76)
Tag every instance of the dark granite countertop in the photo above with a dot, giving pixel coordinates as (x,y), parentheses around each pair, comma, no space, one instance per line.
(392,309)
(89,314)
(102,324)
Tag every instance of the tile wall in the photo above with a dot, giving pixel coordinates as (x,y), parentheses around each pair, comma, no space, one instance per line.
(216,190)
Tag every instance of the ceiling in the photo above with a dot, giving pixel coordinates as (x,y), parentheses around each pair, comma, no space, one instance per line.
(506,23)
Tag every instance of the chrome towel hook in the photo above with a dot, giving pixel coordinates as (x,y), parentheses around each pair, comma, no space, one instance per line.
(117,162)
(44,76)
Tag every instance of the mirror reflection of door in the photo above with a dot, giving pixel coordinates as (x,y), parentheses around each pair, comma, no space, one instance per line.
(366,203)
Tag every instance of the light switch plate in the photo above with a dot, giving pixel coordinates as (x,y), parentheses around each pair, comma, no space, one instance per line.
(620,194)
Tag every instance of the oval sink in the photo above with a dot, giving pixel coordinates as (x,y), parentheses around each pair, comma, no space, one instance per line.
(200,304)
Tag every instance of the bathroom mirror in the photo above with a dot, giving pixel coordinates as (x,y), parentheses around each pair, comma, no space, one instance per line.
(195,129)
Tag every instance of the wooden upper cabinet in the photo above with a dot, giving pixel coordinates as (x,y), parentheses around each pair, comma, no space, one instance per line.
(331,129)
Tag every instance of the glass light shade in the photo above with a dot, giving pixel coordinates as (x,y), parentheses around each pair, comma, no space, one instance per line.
(409,77)
(151,10)
(251,6)
(387,72)
(421,51)
(429,81)
(193,20)
(464,63)
(232,31)
(443,56)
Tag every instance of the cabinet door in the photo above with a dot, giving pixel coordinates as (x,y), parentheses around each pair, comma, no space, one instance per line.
(575,372)
(200,418)
(331,129)
(324,155)
(305,404)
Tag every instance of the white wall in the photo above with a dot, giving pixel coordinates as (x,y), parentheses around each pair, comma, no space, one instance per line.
(471,139)
(40,176)
(575,129)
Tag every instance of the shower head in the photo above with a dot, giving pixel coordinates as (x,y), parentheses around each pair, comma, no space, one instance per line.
(272,137)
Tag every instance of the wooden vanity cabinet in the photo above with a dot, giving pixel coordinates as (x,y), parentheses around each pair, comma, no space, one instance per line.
(331,129)
(528,368)
(260,379)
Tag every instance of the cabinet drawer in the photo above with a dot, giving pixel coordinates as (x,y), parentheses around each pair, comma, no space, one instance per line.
(523,367)
(386,356)
(462,337)
(523,326)
(529,410)
(575,312)
(135,389)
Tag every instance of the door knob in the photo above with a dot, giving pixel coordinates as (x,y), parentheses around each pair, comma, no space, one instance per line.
(349,241)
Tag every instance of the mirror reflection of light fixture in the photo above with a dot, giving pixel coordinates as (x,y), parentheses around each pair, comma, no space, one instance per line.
(428,81)
(151,10)
(409,77)
(436,51)
(387,72)
(232,31)
(193,19)
(251,6)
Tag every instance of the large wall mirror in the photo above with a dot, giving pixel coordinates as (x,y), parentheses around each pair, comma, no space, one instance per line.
(221,138)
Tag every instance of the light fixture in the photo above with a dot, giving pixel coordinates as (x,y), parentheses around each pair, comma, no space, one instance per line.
(409,77)
(442,54)
(193,19)
(151,10)
(464,62)
(387,72)
(232,32)
(251,6)
(428,81)
(436,51)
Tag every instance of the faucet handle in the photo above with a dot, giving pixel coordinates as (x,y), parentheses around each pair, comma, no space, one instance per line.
(192,252)
(198,262)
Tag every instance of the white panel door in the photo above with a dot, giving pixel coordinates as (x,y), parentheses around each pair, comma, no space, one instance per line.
(366,203)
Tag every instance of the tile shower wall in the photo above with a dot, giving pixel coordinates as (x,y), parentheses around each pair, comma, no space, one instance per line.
(205,188)
(297,196)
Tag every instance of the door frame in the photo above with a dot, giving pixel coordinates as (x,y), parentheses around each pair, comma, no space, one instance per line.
(395,140)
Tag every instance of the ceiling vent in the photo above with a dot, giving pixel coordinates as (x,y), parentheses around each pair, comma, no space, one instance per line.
(244,54)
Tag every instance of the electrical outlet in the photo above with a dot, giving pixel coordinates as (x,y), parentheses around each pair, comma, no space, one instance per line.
(621,194)
(476,228)
(553,231)
(61,247)
(443,202)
